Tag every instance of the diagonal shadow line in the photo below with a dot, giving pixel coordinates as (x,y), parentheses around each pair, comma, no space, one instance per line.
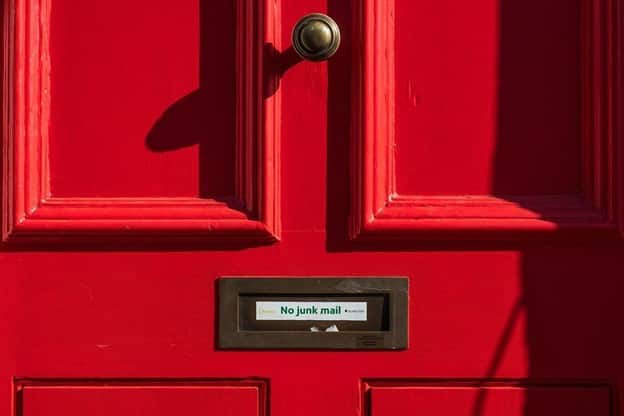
(499,353)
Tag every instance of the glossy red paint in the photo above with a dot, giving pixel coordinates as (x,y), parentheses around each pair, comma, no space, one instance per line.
(466,398)
(107,397)
(150,148)
(34,211)
(380,212)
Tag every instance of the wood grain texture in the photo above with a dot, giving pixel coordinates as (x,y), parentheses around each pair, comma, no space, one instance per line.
(32,213)
(379,213)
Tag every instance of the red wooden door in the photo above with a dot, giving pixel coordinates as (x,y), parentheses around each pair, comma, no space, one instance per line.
(151,147)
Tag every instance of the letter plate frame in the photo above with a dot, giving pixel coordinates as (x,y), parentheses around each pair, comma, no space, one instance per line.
(239,328)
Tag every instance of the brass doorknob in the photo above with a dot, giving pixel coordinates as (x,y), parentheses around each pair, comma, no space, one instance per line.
(316,37)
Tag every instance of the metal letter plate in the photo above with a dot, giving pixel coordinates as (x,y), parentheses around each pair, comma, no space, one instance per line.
(313,313)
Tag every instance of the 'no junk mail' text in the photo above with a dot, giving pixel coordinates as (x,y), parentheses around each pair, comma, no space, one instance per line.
(310,311)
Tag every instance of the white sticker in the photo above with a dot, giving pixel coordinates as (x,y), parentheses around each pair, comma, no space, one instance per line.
(311,311)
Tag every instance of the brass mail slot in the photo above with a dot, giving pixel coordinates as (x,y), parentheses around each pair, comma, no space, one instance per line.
(313,313)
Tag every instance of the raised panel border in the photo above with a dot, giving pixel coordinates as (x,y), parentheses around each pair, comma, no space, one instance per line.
(262,386)
(379,213)
(368,385)
(31,213)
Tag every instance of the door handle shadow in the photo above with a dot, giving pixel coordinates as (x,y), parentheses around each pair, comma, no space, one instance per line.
(204,117)
(187,121)
(276,65)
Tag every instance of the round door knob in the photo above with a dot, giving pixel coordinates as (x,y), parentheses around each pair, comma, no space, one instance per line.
(316,37)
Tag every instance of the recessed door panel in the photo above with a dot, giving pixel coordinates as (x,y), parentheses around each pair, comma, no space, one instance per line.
(128,91)
(136,121)
(501,400)
(144,398)
(483,122)
(488,97)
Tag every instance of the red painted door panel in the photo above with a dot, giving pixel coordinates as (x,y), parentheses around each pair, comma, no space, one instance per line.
(490,98)
(491,401)
(150,148)
(105,398)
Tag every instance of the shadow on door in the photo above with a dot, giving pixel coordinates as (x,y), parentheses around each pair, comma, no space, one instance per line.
(569,293)
(206,117)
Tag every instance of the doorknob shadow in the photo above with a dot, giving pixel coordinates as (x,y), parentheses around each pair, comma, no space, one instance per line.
(276,65)
(206,117)
(183,124)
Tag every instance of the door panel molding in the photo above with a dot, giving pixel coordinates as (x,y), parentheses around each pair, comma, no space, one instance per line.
(489,396)
(121,396)
(379,213)
(31,212)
